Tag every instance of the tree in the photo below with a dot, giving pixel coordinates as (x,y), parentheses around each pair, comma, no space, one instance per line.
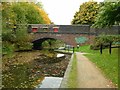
(43,14)
(28,13)
(7,16)
(108,15)
(22,13)
(86,14)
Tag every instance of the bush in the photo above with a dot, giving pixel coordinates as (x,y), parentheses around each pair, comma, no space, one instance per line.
(105,40)
(97,47)
(23,46)
(8,36)
(7,48)
(94,47)
(23,40)
(15,41)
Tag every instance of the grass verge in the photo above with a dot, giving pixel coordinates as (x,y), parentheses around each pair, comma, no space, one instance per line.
(72,79)
(108,63)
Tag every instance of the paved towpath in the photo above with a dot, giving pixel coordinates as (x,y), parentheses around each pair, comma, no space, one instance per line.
(89,76)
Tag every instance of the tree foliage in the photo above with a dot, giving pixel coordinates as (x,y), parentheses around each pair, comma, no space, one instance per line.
(86,14)
(23,13)
(109,14)
(7,16)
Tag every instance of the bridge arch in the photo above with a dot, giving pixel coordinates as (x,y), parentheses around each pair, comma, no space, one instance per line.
(37,44)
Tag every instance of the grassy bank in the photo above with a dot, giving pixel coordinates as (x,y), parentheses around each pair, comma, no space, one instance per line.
(72,79)
(108,63)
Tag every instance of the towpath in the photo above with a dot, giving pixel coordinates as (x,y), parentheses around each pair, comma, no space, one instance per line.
(89,76)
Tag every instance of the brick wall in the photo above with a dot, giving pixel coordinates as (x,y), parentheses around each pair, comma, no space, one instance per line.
(67,38)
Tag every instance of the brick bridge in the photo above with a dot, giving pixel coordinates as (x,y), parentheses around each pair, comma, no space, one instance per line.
(70,34)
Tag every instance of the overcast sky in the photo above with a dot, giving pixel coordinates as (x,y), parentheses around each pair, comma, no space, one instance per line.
(61,12)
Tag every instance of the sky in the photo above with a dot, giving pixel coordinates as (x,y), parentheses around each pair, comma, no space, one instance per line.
(61,12)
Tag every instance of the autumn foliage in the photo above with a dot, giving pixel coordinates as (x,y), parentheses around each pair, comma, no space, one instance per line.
(44,15)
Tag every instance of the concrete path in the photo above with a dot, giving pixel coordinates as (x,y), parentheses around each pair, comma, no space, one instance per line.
(88,75)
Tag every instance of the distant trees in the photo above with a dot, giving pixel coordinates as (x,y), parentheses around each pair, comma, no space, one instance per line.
(86,14)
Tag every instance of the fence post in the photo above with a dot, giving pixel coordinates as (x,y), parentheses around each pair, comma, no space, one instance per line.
(110,48)
(101,48)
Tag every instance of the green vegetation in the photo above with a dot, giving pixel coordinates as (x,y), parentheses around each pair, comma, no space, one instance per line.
(108,63)
(15,41)
(72,79)
(22,13)
(108,14)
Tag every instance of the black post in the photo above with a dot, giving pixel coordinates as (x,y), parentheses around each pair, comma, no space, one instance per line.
(110,48)
(101,48)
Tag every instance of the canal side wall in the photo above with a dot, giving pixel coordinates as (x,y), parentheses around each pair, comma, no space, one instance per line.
(66,75)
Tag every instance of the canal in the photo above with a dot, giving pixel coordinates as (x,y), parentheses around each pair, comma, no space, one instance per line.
(33,69)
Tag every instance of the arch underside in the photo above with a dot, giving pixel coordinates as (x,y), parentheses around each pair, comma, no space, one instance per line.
(37,44)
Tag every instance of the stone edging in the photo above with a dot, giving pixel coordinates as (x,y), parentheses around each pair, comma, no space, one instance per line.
(66,75)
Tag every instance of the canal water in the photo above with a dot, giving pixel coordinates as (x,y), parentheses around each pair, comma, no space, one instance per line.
(36,69)
(51,82)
